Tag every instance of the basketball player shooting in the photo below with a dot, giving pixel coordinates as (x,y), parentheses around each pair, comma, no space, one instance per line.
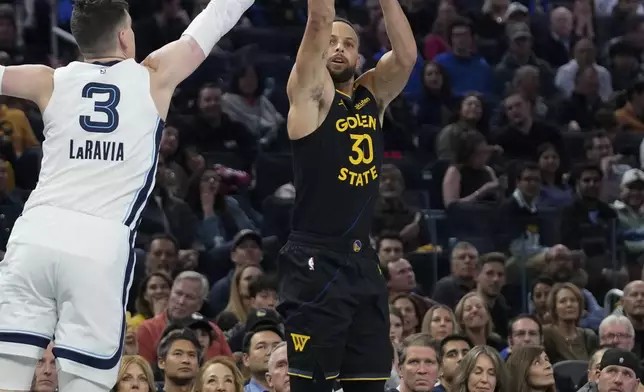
(69,260)
(332,293)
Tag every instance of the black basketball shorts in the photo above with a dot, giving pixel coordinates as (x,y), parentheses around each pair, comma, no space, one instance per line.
(333,298)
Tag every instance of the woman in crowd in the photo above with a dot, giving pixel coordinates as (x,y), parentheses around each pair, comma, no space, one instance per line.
(564,339)
(531,370)
(436,41)
(176,177)
(470,118)
(410,311)
(554,191)
(539,293)
(152,297)
(395,326)
(247,104)
(473,319)
(135,374)
(469,179)
(439,322)
(221,215)
(239,301)
(219,374)
(482,369)
(434,107)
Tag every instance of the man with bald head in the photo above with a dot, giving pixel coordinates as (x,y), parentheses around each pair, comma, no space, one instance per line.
(584,56)
(633,307)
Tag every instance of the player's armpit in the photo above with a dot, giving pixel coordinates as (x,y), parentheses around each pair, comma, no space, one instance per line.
(388,79)
(32,82)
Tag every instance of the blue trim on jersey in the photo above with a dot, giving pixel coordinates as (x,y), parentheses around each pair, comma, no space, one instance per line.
(24,338)
(142,196)
(92,360)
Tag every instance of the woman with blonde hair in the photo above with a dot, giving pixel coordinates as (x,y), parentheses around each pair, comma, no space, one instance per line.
(474,321)
(135,374)
(219,374)
(564,339)
(531,370)
(239,300)
(439,322)
(482,369)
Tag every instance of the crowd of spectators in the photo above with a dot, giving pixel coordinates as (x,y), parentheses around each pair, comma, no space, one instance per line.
(510,202)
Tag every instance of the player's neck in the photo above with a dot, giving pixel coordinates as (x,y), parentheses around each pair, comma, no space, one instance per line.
(345,87)
(171,387)
(104,59)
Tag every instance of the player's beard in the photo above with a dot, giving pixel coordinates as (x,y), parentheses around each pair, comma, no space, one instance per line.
(343,76)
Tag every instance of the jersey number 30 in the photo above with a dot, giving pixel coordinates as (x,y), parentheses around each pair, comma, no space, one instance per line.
(106,117)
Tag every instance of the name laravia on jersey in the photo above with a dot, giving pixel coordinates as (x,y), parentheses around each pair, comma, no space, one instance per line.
(96,150)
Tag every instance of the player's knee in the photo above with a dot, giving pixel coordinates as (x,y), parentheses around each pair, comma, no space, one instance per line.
(68,382)
(21,370)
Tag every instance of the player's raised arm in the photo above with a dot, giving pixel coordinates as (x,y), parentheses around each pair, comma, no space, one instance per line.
(309,74)
(177,60)
(392,72)
(32,82)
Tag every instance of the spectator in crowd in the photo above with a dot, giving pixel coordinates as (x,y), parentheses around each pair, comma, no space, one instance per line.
(481,369)
(257,346)
(277,376)
(452,351)
(450,289)
(594,370)
(135,374)
(629,115)
(435,42)
(162,255)
(389,246)
(490,279)
(467,70)
(434,106)
(246,250)
(578,111)
(418,363)
(616,331)
(623,362)
(556,47)
(585,56)
(401,278)
(152,297)
(491,27)
(525,134)
(177,179)
(474,321)
(219,374)
(633,308)
(16,129)
(11,205)
(247,104)
(179,356)
(563,339)
(187,296)
(469,179)
(411,310)
(523,330)
(130,344)
(554,192)
(395,326)
(46,375)
(599,150)
(623,65)
(530,369)
(211,129)
(393,213)
(239,301)
(628,207)
(470,118)
(520,53)
(541,288)
(439,322)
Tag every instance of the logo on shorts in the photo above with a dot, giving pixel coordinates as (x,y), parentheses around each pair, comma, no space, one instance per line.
(311,264)
(357,245)
(299,341)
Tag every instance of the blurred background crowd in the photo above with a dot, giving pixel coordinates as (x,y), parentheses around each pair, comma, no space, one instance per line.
(510,209)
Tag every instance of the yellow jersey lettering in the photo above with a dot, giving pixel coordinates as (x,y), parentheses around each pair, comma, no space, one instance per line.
(299,341)
(362,102)
(358,178)
(355,121)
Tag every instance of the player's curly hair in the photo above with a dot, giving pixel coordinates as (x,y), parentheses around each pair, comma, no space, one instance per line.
(94,23)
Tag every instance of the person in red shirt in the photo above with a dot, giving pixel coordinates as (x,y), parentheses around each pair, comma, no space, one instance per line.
(186,297)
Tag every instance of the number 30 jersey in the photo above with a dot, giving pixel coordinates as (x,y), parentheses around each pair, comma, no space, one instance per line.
(102,135)
(337,169)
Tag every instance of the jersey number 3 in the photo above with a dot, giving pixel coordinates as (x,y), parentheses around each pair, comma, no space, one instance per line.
(106,117)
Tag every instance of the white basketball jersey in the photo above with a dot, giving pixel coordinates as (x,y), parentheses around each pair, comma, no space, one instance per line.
(102,134)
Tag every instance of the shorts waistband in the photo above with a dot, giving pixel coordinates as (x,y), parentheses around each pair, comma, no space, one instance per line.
(338,244)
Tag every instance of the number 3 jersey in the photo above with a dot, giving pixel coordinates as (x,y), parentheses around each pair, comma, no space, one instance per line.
(337,169)
(102,134)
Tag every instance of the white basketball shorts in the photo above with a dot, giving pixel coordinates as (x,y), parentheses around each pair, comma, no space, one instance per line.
(65,277)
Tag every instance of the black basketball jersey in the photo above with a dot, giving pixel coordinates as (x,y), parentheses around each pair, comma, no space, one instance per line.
(337,169)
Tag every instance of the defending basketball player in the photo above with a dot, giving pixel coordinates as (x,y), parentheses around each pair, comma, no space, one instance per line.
(69,260)
(332,293)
